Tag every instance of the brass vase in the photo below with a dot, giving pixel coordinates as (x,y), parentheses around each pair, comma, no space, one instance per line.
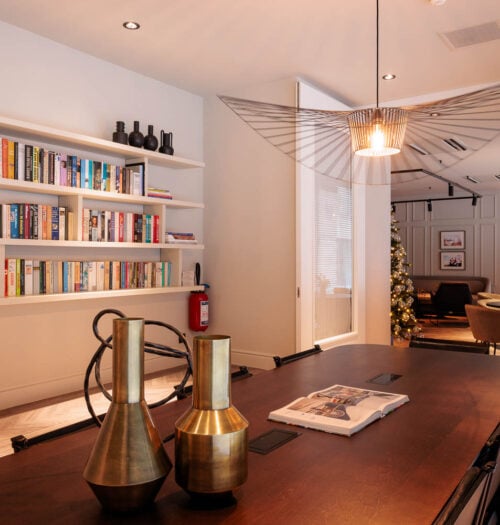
(128,463)
(211,438)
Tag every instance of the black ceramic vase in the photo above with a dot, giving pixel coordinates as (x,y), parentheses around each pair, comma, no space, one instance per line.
(150,141)
(166,143)
(119,135)
(136,138)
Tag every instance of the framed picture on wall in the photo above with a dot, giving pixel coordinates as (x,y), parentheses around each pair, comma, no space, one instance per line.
(452,260)
(453,240)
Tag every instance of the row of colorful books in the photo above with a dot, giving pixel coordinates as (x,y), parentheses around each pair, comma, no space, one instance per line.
(37,164)
(37,277)
(36,221)
(117,226)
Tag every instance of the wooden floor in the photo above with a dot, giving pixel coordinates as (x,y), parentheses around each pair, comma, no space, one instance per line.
(452,328)
(39,418)
(36,419)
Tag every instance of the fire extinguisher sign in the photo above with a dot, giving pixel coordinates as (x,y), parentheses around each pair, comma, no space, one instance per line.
(204,313)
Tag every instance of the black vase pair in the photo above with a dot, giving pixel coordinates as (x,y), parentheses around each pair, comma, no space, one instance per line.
(134,138)
(138,140)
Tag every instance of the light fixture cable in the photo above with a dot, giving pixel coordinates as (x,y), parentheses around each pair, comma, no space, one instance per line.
(377,46)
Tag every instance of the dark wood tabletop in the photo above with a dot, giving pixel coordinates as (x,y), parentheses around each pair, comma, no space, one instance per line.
(399,470)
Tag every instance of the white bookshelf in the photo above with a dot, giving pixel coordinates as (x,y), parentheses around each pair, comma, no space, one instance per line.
(76,199)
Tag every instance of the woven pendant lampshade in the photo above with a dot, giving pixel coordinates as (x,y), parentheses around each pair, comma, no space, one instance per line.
(377,132)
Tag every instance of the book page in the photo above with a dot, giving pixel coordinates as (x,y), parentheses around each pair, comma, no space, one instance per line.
(368,399)
(338,409)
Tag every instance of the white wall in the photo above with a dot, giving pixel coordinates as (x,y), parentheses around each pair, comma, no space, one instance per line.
(420,233)
(45,348)
(250,232)
(250,237)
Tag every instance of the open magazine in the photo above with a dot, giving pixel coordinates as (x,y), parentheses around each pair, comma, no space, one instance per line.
(339,409)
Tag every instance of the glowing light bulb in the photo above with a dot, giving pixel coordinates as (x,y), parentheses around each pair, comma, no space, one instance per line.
(377,140)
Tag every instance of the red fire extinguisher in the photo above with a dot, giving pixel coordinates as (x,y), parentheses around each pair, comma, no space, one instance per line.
(198,306)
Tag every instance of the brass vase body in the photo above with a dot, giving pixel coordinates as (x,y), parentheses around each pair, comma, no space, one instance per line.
(211,438)
(128,463)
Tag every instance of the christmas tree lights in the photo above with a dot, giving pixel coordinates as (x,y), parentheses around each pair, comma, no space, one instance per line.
(403,320)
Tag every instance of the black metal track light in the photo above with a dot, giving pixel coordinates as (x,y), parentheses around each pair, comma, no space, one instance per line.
(451,190)
(474,200)
(429,205)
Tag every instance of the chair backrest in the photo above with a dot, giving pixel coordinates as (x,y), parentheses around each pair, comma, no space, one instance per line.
(475,501)
(280,361)
(484,323)
(452,298)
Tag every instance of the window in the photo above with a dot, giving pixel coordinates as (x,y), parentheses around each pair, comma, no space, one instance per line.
(332,258)
(324,245)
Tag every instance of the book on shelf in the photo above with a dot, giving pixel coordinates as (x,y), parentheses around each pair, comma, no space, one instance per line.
(159,193)
(339,409)
(44,277)
(179,238)
(135,177)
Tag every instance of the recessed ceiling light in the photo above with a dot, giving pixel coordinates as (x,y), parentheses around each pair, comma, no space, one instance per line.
(435,114)
(131,25)
(389,76)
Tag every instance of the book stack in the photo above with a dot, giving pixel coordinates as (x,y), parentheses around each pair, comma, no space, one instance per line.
(32,163)
(180,238)
(159,193)
(37,277)
(117,226)
(36,221)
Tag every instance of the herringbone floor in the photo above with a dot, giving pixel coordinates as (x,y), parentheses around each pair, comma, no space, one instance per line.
(36,419)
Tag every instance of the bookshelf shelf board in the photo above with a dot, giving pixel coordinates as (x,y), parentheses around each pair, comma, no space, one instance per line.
(52,298)
(51,189)
(93,244)
(76,139)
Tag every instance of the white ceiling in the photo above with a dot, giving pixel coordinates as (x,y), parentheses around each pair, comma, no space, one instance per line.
(219,46)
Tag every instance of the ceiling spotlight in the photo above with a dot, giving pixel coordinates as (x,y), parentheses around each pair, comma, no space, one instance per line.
(451,190)
(131,25)
(437,2)
(429,206)
(434,114)
(474,200)
(389,76)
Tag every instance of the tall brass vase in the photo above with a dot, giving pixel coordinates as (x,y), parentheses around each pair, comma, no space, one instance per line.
(128,463)
(211,439)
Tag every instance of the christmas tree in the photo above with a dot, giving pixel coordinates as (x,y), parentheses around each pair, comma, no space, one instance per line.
(403,320)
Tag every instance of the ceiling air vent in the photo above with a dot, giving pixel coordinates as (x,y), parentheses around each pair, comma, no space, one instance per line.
(470,36)
(455,144)
(420,150)
(472,179)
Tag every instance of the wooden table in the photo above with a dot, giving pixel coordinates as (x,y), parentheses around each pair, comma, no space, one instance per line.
(484,302)
(399,470)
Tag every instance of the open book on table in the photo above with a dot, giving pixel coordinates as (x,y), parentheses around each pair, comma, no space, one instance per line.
(339,409)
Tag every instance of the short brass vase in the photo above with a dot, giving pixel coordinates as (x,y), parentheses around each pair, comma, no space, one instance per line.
(128,463)
(211,439)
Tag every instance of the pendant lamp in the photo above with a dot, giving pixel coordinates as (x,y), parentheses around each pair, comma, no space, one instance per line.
(377,132)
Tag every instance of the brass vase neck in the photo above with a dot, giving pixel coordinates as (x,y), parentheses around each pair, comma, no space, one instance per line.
(128,360)
(211,375)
